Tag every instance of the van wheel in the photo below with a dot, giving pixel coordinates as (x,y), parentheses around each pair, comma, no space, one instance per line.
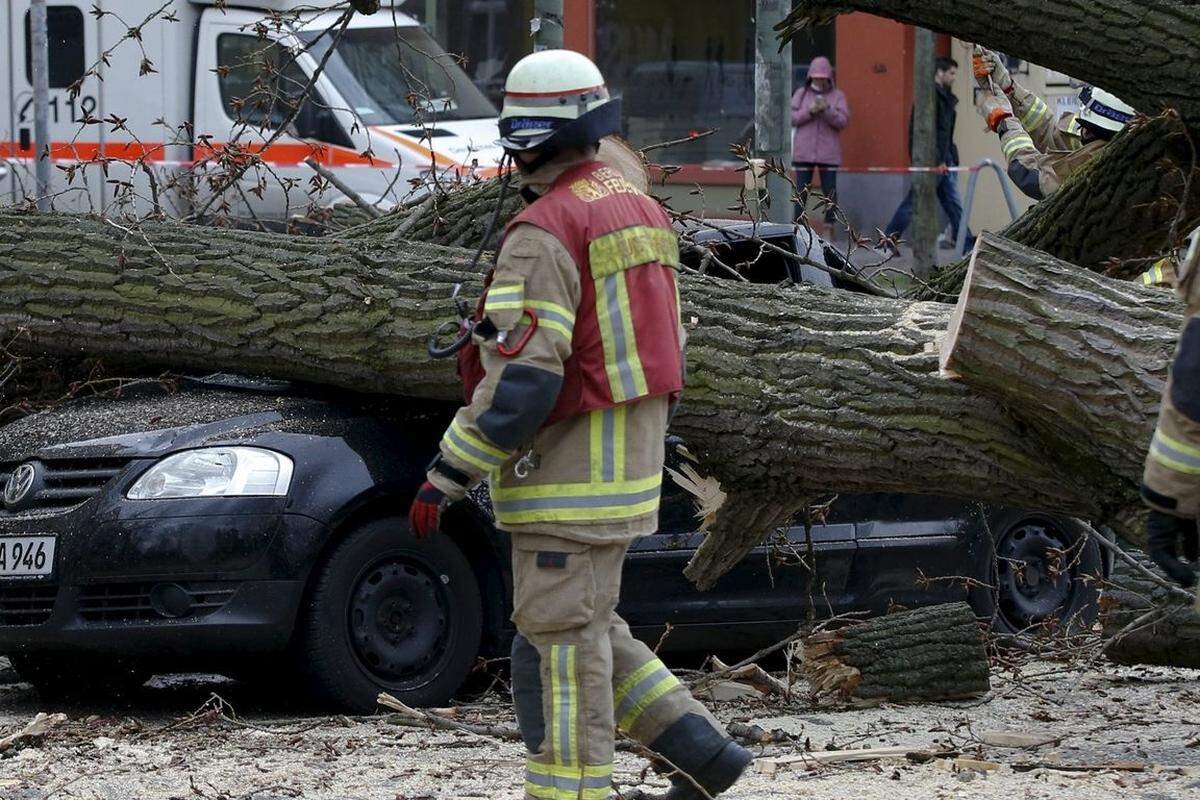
(1047,572)
(390,613)
(73,678)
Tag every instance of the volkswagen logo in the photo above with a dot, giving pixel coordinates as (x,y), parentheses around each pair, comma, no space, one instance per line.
(19,484)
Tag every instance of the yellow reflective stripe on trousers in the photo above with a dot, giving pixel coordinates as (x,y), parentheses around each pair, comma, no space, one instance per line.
(631,247)
(552,782)
(626,379)
(1152,276)
(1015,144)
(577,502)
(472,449)
(1174,454)
(553,316)
(639,690)
(606,444)
(564,704)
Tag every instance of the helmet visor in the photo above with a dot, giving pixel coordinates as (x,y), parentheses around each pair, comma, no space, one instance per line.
(527,133)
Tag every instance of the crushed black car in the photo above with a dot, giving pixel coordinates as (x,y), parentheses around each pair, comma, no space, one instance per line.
(257,528)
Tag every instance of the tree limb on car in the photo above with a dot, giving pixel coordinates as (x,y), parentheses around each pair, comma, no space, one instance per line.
(791,393)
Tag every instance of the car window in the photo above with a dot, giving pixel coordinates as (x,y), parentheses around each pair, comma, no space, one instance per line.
(259,81)
(64,37)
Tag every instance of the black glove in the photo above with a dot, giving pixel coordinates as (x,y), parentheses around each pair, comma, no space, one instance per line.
(1164,535)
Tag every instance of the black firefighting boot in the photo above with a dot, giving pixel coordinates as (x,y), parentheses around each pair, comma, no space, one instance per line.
(710,760)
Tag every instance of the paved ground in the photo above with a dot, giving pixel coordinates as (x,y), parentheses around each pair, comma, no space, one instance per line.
(1144,724)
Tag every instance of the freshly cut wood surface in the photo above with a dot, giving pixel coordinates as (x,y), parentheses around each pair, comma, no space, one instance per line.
(934,653)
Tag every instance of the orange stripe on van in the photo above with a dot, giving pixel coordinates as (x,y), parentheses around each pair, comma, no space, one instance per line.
(286,154)
(427,154)
(290,154)
(90,151)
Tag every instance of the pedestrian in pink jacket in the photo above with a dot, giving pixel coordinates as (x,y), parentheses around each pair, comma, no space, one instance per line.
(819,112)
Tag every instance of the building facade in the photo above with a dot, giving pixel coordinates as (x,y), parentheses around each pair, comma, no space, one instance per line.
(689,67)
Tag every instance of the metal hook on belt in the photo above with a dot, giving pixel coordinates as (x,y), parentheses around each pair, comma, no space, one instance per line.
(464,325)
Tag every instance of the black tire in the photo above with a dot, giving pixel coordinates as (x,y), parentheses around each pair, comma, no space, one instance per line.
(390,613)
(1047,571)
(61,677)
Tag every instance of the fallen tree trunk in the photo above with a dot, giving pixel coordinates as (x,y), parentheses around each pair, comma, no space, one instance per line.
(1144,623)
(1080,358)
(1143,50)
(791,393)
(456,218)
(1115,216)
(934,653)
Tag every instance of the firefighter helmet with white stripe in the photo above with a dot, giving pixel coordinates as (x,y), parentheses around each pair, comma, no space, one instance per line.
(1104,110)
(556,99)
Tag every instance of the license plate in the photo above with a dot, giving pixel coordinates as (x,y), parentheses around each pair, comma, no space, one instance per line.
(26,556)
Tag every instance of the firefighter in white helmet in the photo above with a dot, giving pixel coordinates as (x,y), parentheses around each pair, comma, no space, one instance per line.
(576,360)
(1171,481)
(1042,152)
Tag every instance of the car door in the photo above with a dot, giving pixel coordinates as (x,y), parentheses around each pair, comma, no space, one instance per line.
(912,550)
(246,87)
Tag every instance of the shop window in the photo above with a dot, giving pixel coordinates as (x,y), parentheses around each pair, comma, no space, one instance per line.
(682,67)
(64,34)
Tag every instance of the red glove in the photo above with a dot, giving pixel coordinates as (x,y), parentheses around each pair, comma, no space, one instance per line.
(425,514)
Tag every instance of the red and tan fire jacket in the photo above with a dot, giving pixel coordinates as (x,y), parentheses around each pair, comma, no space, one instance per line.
(569,430)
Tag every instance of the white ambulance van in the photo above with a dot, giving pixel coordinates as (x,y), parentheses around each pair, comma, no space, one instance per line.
(390,111)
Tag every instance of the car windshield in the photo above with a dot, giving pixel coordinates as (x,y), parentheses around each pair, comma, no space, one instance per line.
(399,75)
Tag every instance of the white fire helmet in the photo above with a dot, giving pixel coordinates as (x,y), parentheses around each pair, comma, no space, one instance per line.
(1104,110)
(555,99)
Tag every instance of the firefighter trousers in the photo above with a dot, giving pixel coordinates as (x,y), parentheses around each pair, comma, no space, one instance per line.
(578,674)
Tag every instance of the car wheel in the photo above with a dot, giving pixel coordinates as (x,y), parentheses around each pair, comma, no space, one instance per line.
(390,613)
(1046,570)
(72,678)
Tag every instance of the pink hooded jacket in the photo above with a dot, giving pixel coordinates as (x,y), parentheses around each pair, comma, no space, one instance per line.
(816,138)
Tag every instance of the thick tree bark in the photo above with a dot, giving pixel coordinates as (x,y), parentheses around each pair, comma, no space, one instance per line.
(457,218)
(791,393)
(1142,50)
(934,653)
(1123,207)
(1170,637)
(1078,357)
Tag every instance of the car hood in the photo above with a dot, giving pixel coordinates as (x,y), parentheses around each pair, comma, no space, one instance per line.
(152,421)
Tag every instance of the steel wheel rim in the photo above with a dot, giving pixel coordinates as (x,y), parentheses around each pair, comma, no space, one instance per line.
(1035,574)
(398,621)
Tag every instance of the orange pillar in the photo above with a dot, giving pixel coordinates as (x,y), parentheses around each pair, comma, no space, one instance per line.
(579,26)
(874,69)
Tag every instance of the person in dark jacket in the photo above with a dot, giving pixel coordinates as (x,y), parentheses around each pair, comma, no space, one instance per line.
(946,70)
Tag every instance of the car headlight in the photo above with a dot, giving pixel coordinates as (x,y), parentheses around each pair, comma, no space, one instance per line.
(216,472)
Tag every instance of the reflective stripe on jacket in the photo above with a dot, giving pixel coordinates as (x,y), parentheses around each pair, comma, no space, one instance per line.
(1171,481)
(625,343)
(593,476)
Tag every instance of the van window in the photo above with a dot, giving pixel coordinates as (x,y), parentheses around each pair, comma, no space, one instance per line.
(260,81)
(64,34)
(399,75)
